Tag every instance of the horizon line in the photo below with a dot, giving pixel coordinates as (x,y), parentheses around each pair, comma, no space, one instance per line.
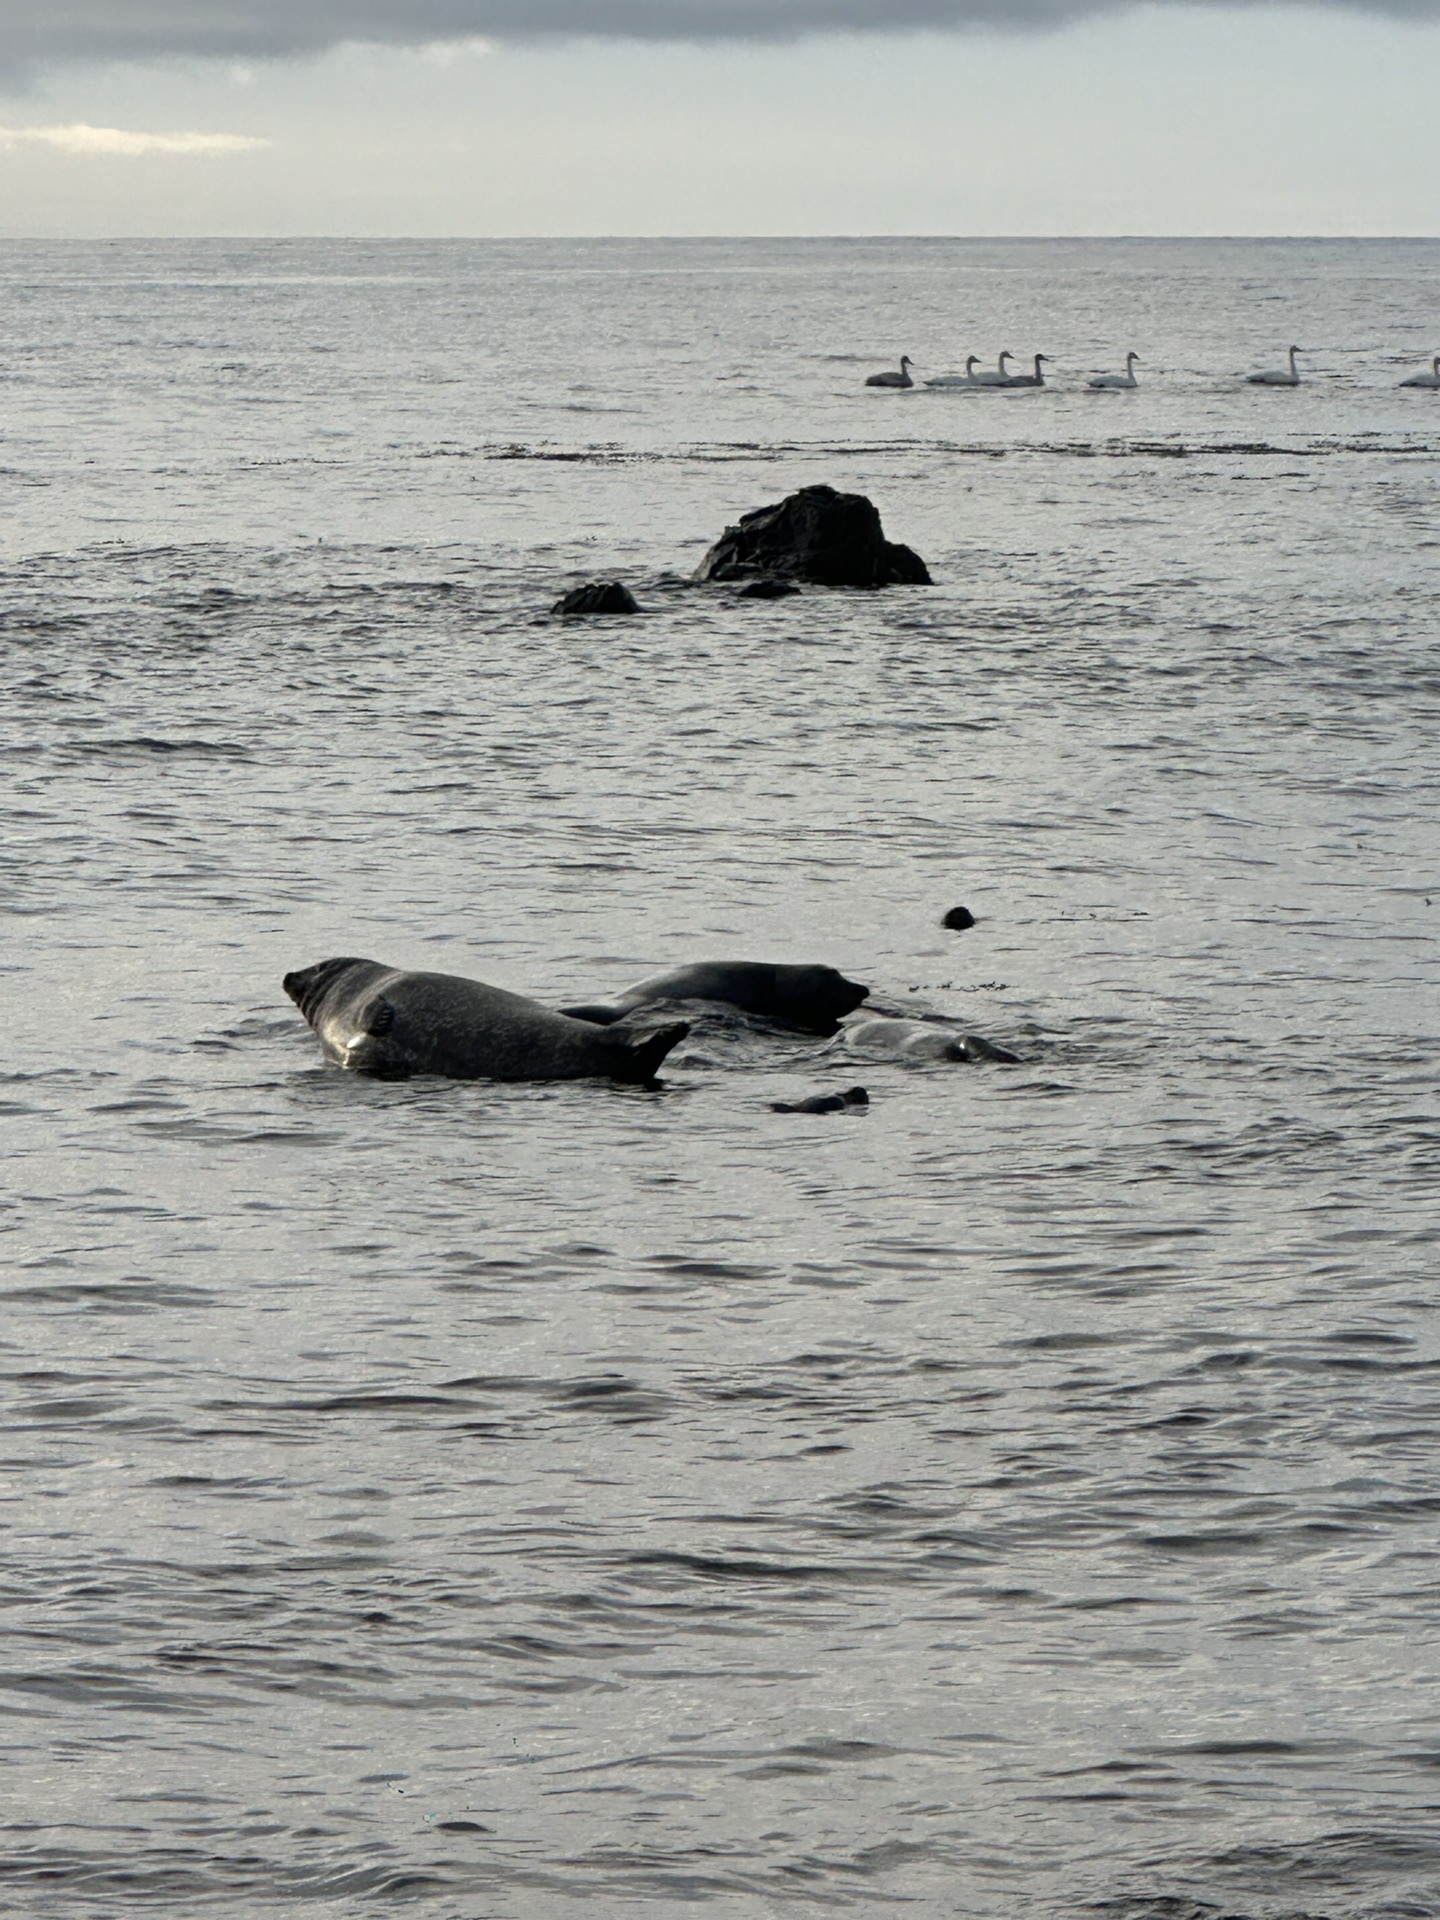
(456,239)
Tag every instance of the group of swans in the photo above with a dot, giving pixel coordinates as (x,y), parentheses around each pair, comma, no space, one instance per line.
(1001,377)
(1286,376)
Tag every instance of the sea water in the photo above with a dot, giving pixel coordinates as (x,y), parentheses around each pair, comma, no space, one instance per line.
(476,1500)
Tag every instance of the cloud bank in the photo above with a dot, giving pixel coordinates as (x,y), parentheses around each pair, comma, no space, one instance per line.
(39,32)
(118,140)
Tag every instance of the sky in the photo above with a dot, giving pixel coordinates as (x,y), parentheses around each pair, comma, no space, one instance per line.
(509,117)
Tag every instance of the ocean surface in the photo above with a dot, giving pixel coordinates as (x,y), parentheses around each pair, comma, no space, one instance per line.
(481,1501)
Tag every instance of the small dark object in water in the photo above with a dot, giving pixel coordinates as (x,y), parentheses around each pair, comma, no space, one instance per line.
(824,1102)
(768,590)
(833,539)
(958,918)
(597,596)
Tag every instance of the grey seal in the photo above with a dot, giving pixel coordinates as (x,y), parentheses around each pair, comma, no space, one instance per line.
(824,1102)
(811,997)
(920,1040)
(393,1023)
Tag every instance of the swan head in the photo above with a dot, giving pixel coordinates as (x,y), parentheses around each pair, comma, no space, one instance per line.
(906,361)
(973,360)
(1007,355)
(1131,358)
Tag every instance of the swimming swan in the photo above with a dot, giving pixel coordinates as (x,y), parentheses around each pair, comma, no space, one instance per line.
(1277,377)
(1035,379)
(998,379)
(893,379)
(966,379)
(1116,382)
(1430,379)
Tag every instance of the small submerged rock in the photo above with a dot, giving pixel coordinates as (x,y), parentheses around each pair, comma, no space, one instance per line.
(833,539)
(597,596)
(958,919)
(824,1102)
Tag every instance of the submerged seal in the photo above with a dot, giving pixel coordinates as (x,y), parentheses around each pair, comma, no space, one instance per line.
(919,1040)
(813,998)
(392,1023)
(824,1102)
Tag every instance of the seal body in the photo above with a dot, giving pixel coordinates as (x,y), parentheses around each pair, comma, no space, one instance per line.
(392,1023)
(921,1040)
(813,998)
(824,1102)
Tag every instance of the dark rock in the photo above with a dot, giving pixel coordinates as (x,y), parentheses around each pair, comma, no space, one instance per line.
(768,590)
(597,596)
(958,918)
(834,539)
(824,1102)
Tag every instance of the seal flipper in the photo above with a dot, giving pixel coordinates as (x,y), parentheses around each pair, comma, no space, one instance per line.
(380,1019)
(638,1055)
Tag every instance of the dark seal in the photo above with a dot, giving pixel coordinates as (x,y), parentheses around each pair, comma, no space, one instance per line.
(824,1102)
(392,1023)
(813,998)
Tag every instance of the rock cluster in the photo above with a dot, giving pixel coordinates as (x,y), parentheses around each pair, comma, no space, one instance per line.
(832,539)
(820,536)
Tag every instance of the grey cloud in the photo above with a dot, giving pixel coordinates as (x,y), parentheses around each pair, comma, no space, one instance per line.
(39,32)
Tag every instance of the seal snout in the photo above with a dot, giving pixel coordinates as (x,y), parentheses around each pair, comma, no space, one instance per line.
(308,986)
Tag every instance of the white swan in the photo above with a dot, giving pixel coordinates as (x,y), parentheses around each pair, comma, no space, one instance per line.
(966,379)
(1277,376)
(1035,379)
(1117,382)
(893,379)
(998,378)
(1430,379)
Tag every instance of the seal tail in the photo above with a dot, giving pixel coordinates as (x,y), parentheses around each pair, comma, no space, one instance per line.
(638,1055)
